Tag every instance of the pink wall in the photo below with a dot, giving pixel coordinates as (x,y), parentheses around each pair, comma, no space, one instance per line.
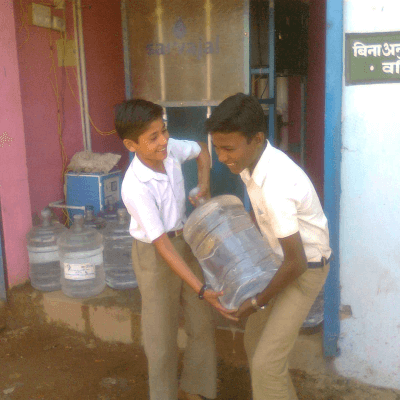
(14,191)
(105,70)
(316,95)
(45,94)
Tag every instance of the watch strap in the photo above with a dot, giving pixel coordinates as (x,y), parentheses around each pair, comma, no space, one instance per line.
(202,290)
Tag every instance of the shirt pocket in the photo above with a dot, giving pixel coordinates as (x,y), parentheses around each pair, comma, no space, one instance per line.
(179,191)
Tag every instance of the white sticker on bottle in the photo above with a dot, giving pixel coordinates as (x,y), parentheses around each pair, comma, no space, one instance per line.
(43,257)
(79,272)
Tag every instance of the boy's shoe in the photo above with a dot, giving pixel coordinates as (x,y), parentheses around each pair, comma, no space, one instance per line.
(182,395)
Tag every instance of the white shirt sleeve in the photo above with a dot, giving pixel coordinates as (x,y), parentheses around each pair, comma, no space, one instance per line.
(142,206)
(184,150)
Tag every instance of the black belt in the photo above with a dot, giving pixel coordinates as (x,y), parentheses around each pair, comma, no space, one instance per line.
(173,234)
(320,264)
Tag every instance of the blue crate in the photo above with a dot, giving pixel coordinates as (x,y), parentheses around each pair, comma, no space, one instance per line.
(94,189)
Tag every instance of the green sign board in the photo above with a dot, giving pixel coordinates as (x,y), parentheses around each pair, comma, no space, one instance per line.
(372,58)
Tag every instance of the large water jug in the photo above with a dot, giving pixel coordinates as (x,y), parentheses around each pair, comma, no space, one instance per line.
(44,259)
(91,221)
(118,253)
(234,256)
(81,260)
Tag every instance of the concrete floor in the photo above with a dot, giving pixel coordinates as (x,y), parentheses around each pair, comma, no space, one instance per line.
(87,343)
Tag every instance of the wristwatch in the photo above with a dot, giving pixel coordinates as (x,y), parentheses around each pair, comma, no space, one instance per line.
(255,304)
(202,290)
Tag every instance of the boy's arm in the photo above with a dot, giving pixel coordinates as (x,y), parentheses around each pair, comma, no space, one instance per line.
(203,171)
(294,264)
(167,251)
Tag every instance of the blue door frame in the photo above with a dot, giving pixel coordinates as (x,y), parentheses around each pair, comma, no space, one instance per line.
(332,160)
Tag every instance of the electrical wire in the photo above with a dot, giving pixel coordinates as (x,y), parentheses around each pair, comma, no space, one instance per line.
(100,132)
(24,24)
(59,96)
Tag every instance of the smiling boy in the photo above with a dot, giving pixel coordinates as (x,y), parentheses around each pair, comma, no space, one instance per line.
(289,215)
(167,272)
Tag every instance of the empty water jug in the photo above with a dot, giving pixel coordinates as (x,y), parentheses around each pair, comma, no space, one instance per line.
(118,253)
(91,221)
(231,251)
(44,259)
(81,260)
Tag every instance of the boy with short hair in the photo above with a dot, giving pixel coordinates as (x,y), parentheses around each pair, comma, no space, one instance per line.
(166,270)
(290,216)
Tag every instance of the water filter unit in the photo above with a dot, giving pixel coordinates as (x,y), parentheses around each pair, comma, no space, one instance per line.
(94,189)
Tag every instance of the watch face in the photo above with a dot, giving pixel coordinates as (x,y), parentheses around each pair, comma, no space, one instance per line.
(254,303)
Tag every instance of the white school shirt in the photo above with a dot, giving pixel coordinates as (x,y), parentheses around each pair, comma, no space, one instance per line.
(156,201)
(285,201)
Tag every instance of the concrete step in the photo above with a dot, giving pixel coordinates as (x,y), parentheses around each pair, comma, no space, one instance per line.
(114,316)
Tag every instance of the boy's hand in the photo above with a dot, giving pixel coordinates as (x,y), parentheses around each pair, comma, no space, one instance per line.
(212,298)
(245,310)
(202,193)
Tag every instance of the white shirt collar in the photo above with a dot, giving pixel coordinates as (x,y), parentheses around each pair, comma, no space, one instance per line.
(145,174)
(260,171)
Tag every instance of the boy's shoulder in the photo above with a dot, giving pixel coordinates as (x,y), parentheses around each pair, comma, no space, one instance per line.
(130,175)
(182,149)
(135,182)
(175,144)
(137,173)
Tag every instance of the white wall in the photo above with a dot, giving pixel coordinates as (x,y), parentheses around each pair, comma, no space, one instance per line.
(370,214)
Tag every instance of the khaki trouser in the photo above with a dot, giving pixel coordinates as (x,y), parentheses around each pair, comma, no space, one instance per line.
(162,293)
(270,335)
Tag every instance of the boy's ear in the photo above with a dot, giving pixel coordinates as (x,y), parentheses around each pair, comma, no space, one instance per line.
(130,144)
(259,138)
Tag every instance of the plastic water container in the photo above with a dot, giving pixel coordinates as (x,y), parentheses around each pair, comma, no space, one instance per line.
(44,259)
(234,256)
(118,253)
(81,260)
(91,221)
